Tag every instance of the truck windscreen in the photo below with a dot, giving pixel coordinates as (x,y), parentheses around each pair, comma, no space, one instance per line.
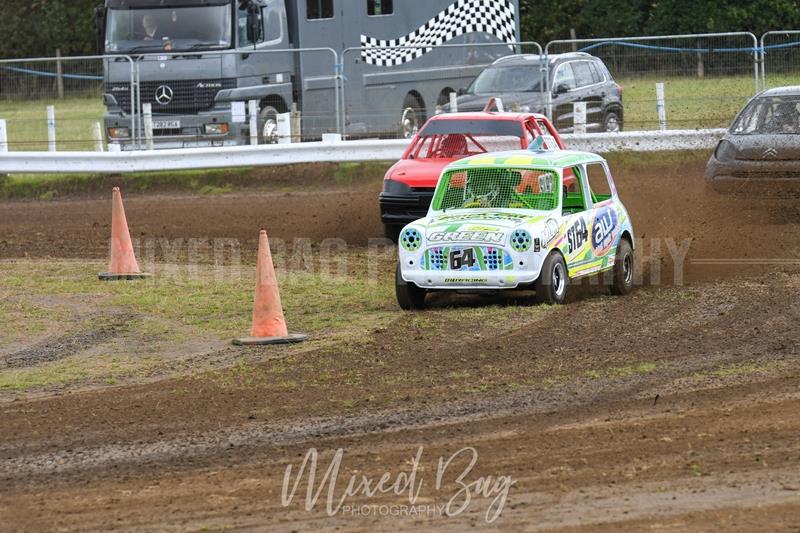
(168,29)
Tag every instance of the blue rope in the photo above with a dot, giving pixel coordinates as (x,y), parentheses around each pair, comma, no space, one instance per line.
(52,74)
(667,48)
(780,46)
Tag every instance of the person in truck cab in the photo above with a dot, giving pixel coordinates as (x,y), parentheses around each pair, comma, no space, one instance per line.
(150,26)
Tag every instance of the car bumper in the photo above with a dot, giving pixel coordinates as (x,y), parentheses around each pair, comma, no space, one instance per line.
(468,280)
(402,209)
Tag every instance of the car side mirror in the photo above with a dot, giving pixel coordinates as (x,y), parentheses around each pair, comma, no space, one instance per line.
(462,91)
(561,88)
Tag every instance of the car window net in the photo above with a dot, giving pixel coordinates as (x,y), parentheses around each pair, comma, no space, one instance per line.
(498,188)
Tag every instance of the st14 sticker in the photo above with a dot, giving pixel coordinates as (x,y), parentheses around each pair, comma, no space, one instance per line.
(604,231)
(577,235)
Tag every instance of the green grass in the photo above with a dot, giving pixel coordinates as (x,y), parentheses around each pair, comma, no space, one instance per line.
(26,122)
(710,102)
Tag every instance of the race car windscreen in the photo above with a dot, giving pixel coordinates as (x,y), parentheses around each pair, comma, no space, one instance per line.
(508,79)
(770,116)
(454,139)
(498,188)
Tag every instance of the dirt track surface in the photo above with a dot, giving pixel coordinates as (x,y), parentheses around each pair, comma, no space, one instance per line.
(673,409)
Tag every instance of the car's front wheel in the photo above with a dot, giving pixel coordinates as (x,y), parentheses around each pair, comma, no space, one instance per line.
(409,296)
(551,287)
(623,269)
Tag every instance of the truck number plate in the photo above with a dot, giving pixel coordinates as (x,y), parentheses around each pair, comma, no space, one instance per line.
(166,124)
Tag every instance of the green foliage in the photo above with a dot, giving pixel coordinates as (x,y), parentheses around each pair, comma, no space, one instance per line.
(625,18)
(33,28)
(37,28)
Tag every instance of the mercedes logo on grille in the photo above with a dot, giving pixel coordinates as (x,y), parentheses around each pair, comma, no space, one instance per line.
(770,153)
(164,95)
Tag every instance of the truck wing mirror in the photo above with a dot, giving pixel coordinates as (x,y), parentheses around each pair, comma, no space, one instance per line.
(253,24)
(100,29)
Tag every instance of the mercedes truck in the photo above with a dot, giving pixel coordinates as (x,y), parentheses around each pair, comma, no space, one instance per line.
(200,64)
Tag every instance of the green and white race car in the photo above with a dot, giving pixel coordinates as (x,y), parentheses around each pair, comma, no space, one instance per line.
(515,220)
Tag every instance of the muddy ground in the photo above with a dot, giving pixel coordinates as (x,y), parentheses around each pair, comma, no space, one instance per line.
(673,409)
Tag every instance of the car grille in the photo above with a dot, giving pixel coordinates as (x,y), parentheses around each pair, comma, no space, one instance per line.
(188,96)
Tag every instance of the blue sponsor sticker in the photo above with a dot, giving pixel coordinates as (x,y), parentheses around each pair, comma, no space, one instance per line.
(604,230)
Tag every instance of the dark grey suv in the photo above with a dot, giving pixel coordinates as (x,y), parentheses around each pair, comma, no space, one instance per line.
(574,77)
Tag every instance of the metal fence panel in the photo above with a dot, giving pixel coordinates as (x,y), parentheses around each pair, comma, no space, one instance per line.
(55,103)
(707,77)
(193,94)
(781,58)
(391,99)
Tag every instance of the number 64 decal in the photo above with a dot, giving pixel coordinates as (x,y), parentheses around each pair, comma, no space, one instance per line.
(461,258)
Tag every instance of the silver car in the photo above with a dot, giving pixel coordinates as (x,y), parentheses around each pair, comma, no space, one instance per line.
(763,143)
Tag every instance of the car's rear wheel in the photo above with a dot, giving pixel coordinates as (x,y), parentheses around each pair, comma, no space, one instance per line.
(409,296)
(551,287)
(623,269)
(412,117)
(612,122)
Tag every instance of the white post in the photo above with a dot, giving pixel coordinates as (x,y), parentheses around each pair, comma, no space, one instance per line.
(661,107)
(284,128)
(97,133)
(3,136)
(579,118)
(297,124)
(51,128)
(147,113)
(454,102)
(254,122)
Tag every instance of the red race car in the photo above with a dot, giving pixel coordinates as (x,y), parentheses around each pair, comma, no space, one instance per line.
(409,184)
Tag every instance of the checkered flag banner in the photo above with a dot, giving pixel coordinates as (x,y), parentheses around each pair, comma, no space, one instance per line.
(494,17)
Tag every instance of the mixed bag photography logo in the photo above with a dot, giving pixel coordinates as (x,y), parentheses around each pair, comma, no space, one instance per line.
(443,486)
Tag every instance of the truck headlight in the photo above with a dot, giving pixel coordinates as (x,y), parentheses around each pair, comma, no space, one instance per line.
(216,128)
(119,133)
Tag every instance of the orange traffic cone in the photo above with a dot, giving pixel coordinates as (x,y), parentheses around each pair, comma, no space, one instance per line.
(123,263)
(269,324)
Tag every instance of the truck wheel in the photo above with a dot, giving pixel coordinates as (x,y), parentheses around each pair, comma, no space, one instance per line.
(551,287)
(392,231)
(623,269)
(409,296)
(268,124)
(611,122)
(412,115)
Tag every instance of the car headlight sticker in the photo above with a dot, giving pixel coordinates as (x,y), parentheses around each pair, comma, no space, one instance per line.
(411,239)
(521,240)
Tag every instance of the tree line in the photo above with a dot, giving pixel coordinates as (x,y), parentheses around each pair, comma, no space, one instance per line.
(36,28)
